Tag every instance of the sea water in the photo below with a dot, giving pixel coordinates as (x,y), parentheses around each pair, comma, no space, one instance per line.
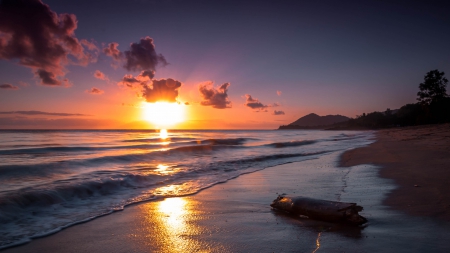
(52,179)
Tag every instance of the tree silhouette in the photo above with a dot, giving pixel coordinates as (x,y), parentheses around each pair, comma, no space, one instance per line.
(433,88)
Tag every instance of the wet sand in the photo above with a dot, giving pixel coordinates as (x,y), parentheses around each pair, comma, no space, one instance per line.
(236,217)
(418,160)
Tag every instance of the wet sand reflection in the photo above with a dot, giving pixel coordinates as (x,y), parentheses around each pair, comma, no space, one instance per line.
(171,225)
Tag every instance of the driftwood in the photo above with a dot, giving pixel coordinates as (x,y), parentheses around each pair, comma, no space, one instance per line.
(317,209)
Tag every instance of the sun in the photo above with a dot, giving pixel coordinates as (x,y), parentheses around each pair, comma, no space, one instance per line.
(163,114)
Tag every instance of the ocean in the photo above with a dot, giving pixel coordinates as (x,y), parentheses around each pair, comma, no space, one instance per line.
(52,179)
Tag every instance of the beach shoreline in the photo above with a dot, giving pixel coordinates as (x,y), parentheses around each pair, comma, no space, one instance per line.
(418,160)
(235,216)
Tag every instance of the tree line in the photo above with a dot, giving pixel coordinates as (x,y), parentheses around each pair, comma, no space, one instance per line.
(433,107)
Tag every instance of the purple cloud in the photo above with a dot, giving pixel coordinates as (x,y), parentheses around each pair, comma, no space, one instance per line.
(95,91)
(8,86)
(143,56)
(254,103)
(215,97)
(100,75)
(161,90)
(275,112)
(112,51)
(32,113)
(40,39)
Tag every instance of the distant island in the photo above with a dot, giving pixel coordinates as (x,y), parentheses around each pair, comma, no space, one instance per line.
(314,121)
(433,107)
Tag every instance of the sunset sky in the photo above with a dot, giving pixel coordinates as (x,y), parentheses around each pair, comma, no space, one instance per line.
(227,64)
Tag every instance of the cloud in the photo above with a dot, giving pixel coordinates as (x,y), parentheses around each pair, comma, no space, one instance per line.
(112,51)
(7,86)
(40,39)
(258,106)
(18,122)
(143,56)
(49,78)
(89,44)
(165,90)
(42,113)
(95,91)
(275,112)
(100,75)
(254,103)
(279,93)
(162,90)
(138,82)
(215,97)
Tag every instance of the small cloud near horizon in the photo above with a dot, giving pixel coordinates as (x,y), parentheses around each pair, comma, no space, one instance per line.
(43,113)
(275,112)
(215,97)
(7,86)
(95,91)
(254,103)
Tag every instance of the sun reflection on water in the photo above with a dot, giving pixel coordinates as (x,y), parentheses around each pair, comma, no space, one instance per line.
(163,134)
(171,227)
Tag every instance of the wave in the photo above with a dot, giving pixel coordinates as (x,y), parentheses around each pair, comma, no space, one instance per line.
(290,144)
(43,169)
(158,139)
(160,143)
(101,184)
(60,149)
(66,191)
(230,141)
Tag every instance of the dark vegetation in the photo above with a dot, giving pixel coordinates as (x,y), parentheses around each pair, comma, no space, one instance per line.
(433,107)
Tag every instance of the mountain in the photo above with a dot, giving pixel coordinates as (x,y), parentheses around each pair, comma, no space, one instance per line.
(313,120)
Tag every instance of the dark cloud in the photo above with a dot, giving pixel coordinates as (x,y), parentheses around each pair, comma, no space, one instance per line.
(95,91)
(258,106)
(49,78)
(111,50)
(162,90)
(43,113)
(137,82)
(40,39)
(8,86)
(254,103)
(215,97)
(152,90)
(275,112)
(148,73)
(143,56)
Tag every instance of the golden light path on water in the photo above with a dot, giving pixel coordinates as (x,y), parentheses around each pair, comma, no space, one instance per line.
(172,226)
(163,134)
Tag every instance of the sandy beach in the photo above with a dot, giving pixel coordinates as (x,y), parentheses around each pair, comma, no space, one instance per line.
(236,217)
(418,160)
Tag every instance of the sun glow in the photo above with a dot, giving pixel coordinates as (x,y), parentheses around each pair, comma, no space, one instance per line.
(163,113)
